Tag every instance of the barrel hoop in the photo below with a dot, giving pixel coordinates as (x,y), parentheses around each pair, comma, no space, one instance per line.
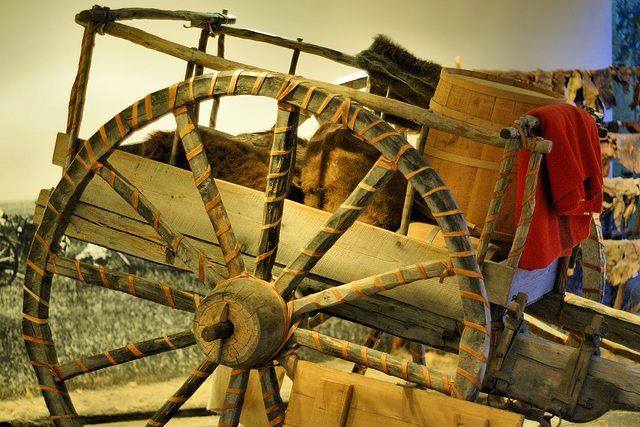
(461,160)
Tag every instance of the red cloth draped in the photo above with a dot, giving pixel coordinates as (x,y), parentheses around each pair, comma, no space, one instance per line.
(569,185)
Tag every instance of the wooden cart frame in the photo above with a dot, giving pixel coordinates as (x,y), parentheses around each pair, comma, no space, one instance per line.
(123,190)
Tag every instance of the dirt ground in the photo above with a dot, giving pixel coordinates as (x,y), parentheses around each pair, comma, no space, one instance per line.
(132,404)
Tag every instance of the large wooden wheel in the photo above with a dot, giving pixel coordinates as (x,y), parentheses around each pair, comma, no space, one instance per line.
(247,320)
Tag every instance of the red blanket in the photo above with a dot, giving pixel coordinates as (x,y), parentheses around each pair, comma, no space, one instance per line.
(569,185)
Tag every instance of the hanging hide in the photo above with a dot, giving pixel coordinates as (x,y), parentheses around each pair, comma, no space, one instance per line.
(408,78)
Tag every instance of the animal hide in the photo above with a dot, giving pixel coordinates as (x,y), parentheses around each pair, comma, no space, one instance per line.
(335,163)
(408,78)
(242,159)
(604,83)
(328,168)
(622,194)
(622,75)
(628,148)
(560,81)
(589,90)
(575,84)
(623,260)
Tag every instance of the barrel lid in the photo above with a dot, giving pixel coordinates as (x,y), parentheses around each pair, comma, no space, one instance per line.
(494,85)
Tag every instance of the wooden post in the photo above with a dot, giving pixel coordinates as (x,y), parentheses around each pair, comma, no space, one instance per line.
(271,395)
(294,59)
(201,170)
(193,70)
(79,92)
(620,295)
(593,262)
(213,117)
(199,69)
(506,164)
(190,386)
(528,206)
(234,399)
(373,338)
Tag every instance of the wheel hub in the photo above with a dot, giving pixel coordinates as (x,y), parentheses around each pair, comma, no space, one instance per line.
(241,323)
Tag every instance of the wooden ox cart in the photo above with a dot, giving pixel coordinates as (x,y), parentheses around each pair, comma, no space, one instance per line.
(307,261)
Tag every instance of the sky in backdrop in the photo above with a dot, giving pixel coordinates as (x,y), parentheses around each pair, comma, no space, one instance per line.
(41,45)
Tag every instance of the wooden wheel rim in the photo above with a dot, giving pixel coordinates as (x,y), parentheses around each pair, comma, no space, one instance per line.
(94,153)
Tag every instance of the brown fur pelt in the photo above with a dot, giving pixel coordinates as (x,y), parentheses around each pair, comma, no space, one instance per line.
(328,167)
(242,159)
(409,79)
(336,161)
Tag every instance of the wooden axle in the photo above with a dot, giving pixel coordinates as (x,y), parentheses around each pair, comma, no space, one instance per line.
(217,331)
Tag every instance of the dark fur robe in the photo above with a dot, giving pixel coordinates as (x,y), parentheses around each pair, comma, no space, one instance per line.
(233,161)
(408,78)
(336,161)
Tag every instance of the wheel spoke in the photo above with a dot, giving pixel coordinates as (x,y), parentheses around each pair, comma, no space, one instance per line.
(176,242)
(190,386)
(281,168)
(380,361)
(366,287)
(140,287)
(197,157)
(290,363)
(318,320)
(126,354)
(336,225)
(273,405)
(234,399)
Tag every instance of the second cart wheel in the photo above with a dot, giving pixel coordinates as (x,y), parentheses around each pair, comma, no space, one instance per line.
(8,261)
(246,319)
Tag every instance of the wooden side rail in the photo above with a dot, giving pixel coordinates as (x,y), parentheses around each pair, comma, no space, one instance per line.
(418,115)
(98,14)
(104,219)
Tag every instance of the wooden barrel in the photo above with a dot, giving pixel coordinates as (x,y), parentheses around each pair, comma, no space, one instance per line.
(470,168)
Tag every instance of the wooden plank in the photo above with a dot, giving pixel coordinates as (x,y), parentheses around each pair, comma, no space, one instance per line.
(378,311)
(380,403)
(540,368)
(60,148)
(466,420)
(362,251)
(331,404)
(104,219)
(575,314)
